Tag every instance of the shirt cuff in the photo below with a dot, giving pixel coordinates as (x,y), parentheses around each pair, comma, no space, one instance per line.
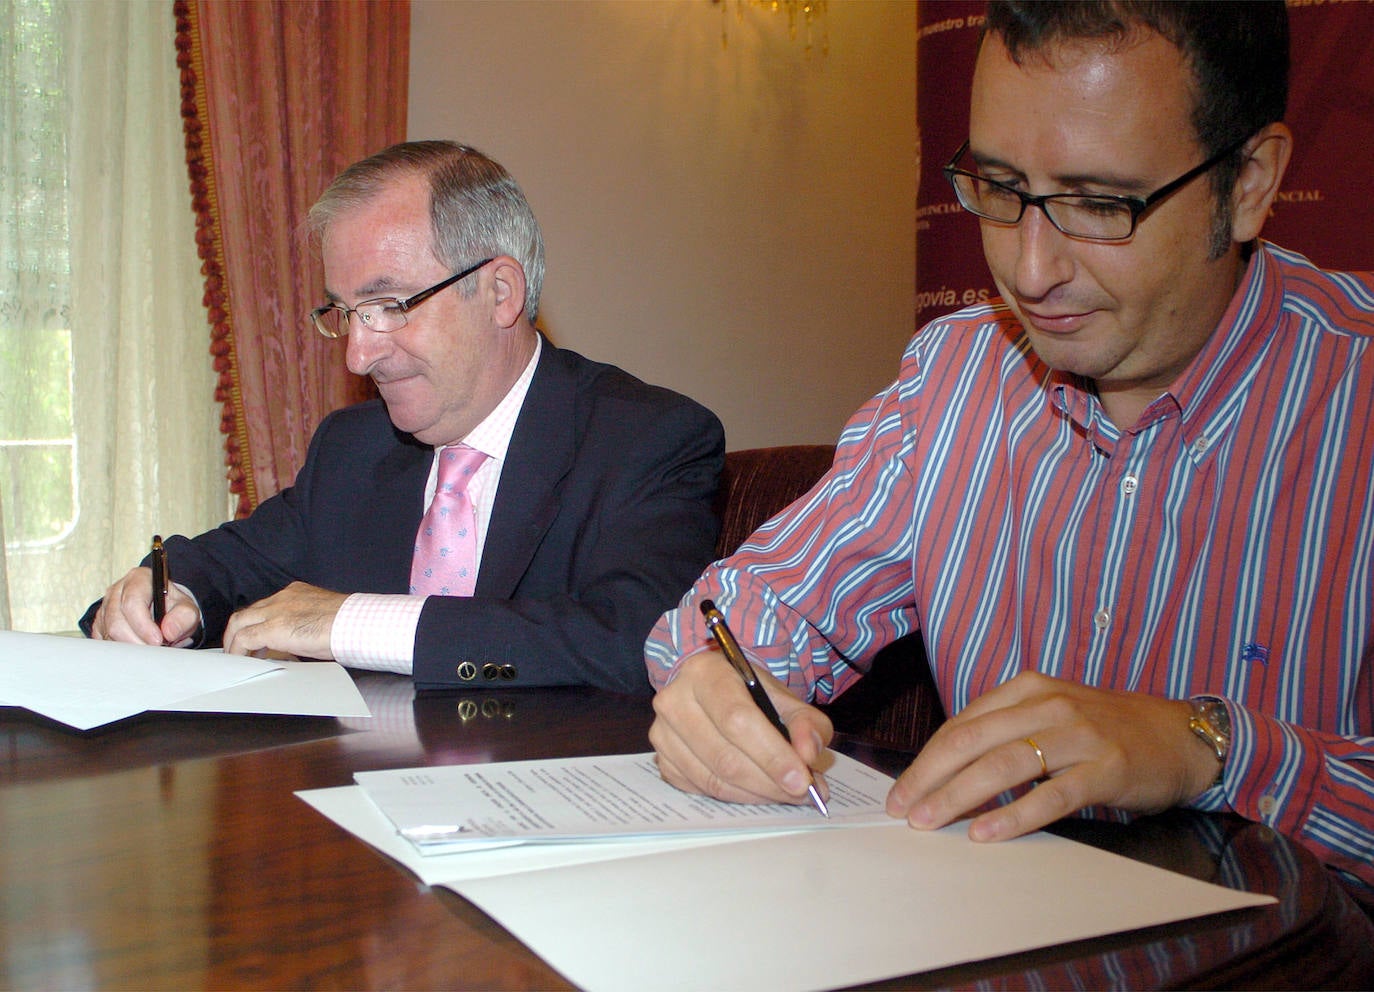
(376,632)
(198,635)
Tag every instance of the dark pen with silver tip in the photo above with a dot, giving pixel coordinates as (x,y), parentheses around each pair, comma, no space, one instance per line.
(160,579)
(720,630)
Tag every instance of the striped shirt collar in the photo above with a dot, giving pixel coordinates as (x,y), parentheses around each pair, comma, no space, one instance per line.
(1207,397)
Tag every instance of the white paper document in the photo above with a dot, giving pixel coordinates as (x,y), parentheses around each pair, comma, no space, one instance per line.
(447,807)
(823,909)
(349,807)
(820,908)
(292,688)
(87,684)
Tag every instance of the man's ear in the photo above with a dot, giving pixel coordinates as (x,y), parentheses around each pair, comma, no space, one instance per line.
(1261,175)
(508,283)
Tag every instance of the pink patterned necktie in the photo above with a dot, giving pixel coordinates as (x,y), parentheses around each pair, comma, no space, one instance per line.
(445,562)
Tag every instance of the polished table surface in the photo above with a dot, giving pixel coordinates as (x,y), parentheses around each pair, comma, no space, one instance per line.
(168,851)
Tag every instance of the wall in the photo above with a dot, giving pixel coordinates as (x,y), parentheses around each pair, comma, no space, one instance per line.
(734,220)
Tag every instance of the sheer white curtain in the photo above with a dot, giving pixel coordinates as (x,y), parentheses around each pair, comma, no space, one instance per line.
(108,425)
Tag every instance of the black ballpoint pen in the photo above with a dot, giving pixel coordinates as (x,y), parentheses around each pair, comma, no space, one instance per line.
(720,630)
(159,580)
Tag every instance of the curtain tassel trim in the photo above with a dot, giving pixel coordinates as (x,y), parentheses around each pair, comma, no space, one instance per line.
(210,247)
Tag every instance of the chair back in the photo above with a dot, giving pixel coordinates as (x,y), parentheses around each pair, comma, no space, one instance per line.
(758,483)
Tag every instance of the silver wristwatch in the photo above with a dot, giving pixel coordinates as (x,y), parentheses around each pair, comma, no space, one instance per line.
(1211,721)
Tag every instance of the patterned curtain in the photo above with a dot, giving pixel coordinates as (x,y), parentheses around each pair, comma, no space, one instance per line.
(277,98)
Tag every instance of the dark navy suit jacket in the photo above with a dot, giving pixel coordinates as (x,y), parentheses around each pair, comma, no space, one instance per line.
(602,520)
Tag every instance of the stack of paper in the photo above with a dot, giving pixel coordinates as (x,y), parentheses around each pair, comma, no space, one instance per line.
(87,684)
(672,892)
(453,808)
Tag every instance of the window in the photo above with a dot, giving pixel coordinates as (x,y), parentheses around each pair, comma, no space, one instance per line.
(37,438)
(108,425)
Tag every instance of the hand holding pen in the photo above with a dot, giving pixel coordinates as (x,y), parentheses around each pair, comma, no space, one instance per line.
(716,624)
(144,606)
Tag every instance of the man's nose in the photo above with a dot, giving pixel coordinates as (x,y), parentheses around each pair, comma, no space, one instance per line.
(366,347)
(1043,260)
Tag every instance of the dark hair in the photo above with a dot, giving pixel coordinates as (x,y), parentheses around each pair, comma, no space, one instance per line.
(1238,53)
(476,207)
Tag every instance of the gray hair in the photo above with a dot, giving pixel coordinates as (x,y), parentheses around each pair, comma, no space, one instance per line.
(476,208)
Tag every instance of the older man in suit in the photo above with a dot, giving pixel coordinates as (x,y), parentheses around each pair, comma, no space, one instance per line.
(585,500)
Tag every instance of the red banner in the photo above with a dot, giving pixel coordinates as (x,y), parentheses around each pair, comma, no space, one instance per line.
(1326,207)
(950,272)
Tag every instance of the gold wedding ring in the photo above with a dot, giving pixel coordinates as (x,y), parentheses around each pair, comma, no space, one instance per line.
(1044,768)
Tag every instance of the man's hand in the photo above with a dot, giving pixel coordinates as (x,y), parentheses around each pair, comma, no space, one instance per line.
(710,736)
(126,613)
(295,621)
(1102,748)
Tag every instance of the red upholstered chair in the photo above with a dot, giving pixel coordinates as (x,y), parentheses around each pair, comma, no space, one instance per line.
(895,705)
(759,482)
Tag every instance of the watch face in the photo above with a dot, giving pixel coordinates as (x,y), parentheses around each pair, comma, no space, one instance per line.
(1214,711)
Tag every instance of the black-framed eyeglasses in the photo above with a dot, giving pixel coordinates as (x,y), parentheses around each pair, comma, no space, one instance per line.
(384,314)
(1096,216)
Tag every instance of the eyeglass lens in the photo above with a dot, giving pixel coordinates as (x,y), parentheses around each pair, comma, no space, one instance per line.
(1078,216)
(332,322)
(383,316)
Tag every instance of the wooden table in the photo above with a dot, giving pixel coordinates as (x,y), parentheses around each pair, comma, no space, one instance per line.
(168,852)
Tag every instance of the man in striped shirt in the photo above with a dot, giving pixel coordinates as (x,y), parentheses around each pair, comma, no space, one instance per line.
(1128,505)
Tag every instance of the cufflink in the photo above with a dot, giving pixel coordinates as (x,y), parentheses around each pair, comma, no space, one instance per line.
(508,673)
(467,671)
(491,671)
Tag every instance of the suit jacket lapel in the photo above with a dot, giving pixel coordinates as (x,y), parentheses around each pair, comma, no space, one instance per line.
(392,512)
(539,457)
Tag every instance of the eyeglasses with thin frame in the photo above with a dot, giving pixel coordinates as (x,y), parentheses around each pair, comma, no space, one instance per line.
(384,314)
(1092,216)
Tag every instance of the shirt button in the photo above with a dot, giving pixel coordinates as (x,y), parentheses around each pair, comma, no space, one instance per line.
(1268,805)
(1201,445)
(1129,484)
(1101,619)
